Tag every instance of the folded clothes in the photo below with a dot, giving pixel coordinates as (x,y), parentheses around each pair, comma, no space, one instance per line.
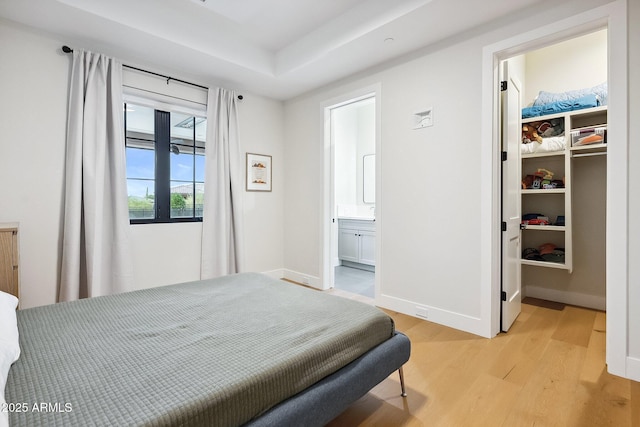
(588,101)
(546,252)
(600,91)
(556,255)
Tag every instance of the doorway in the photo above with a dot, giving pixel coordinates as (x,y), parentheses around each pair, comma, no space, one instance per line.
(562,260)
(353,142)
(614,17)
(351,204)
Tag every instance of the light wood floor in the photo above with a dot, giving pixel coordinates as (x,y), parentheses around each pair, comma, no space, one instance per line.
(548,370)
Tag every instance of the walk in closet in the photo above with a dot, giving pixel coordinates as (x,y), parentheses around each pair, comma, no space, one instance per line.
(564,171)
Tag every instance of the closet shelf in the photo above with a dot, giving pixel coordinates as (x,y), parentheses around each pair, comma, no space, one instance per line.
(544,191)
(559,200)
(589,150)
(542,154)
(545,227)
(588,147)
(592,126)
(547,264)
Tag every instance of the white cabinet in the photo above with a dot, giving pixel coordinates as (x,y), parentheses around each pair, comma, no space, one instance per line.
(554,201)
(357,241)
(348,244)
(367,247)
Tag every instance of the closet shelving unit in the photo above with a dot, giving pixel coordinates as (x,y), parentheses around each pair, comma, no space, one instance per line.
(558,201)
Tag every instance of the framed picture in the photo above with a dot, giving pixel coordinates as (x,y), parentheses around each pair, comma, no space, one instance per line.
(258,172)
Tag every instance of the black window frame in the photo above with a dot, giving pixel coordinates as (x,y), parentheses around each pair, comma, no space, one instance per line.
(162,181)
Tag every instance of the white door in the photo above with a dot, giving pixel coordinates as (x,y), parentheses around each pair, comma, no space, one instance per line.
(511,211)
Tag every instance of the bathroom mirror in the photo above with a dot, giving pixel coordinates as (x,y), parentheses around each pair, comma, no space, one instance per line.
(369,178)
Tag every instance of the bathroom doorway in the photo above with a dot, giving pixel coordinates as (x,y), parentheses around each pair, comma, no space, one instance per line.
(350,136)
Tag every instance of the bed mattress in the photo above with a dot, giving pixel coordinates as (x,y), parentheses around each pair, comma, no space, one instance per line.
(216,353)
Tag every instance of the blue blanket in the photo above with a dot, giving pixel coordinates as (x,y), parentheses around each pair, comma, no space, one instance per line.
(587,101)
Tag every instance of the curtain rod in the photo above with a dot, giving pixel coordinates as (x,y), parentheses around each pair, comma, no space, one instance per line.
(67,49)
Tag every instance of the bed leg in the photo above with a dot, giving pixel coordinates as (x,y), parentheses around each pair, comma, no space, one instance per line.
(404,391)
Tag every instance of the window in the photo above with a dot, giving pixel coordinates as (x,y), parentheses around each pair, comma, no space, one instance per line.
(165,164)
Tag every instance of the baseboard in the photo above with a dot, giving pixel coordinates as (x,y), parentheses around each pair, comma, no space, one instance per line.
(451,319)
(359,266)
(572,298)
(276,274)
(633,368)
(302,278)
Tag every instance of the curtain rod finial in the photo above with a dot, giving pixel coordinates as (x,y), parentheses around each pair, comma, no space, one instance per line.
(240,97)
(66,49)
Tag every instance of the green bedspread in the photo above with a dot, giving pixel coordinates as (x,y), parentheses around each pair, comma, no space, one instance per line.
(215,352)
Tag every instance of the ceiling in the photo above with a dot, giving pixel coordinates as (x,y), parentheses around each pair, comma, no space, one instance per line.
(274,48)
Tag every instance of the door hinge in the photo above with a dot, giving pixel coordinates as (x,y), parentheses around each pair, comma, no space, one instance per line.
(503,86)
(504,156)
(503,295)
(504,226)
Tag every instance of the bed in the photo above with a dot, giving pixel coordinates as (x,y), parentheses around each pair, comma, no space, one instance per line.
(244,349)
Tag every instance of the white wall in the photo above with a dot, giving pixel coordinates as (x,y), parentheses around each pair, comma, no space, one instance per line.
(366,145)
(430,239)
(429,191)
(34,83)
(262,132)
(353,128)
(574,64)
(344,126)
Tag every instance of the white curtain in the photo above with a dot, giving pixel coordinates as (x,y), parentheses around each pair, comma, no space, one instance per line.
(222,213)
(95,254)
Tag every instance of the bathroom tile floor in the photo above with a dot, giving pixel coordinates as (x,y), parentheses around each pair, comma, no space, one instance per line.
(356,281)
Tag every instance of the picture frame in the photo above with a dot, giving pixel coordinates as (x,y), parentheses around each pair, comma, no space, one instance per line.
(259,172)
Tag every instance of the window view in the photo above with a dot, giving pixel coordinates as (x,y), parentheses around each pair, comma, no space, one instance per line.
(140,151)
(165,164)
(187,165)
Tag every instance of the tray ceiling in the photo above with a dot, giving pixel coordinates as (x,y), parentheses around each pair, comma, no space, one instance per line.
(275,48)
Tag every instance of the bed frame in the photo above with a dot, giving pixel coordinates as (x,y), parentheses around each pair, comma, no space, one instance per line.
(328,398)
